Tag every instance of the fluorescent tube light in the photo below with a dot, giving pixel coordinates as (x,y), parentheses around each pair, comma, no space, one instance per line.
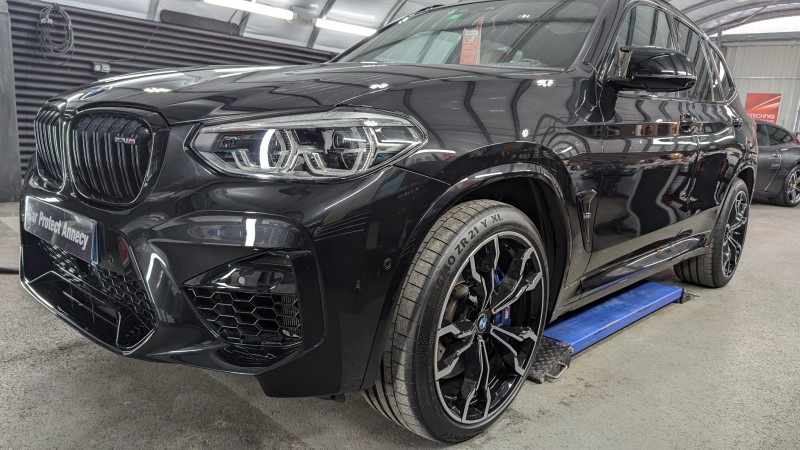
(255,8)
(344,27)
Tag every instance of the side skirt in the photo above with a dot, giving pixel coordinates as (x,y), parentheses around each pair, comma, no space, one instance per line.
(629,272)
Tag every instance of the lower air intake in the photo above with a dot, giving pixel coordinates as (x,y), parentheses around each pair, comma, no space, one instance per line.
(252,305)
(247,317)
(113,307)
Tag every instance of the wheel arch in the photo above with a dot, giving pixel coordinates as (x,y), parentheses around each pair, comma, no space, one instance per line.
(748,175)
(518,192)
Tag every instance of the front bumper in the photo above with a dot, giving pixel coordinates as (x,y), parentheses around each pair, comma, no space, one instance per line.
(343,239)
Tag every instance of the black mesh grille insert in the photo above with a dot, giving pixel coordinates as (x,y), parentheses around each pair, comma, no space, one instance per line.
(112,306)
(249,317)
(110,156)
(49,156)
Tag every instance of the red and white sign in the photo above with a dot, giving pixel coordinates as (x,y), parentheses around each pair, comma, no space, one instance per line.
(471,44)
(763,107)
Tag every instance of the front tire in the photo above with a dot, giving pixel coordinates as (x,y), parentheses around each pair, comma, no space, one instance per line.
(466,326)
(717,266)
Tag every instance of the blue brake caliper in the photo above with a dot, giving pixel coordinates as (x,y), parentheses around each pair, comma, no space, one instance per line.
(502,318)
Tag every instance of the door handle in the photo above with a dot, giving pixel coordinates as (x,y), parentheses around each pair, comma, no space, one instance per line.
(737,123)
(688,123)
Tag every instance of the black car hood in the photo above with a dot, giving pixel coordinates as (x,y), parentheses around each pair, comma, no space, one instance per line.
(202,93)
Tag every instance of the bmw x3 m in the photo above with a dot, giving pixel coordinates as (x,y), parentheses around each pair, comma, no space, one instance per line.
(404,220)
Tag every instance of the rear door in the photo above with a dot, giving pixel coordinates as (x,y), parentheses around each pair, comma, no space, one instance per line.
(770,156)
(721,134)
(648,150)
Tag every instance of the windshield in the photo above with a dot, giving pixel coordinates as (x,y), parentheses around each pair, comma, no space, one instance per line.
(537,33)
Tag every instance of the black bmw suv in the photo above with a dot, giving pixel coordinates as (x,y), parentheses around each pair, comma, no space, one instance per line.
(404,220)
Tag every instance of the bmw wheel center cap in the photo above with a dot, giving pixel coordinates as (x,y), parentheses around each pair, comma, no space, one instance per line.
(482,322)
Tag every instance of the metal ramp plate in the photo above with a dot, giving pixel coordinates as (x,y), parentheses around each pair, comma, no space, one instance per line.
(578,331)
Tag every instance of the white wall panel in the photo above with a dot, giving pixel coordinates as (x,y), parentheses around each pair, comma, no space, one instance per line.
(768,69)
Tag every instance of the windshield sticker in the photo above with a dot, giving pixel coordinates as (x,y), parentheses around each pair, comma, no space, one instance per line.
(471,44)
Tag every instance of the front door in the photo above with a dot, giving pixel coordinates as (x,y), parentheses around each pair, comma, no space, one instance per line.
(649,148)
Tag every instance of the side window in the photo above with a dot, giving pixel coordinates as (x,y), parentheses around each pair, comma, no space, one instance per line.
(645,26)
(778,136)
(763,136)
(721,83)
(691,43)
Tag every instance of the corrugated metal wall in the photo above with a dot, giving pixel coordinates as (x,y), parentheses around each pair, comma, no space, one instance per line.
(768,69)
(105,37)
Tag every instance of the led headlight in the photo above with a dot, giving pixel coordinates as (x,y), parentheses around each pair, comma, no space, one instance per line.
(329,144)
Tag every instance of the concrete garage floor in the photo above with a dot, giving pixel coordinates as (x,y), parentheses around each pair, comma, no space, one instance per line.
(718,372)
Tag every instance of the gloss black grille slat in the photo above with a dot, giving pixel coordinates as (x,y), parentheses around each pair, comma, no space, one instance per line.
(111,155)
(47,129)
(119,153)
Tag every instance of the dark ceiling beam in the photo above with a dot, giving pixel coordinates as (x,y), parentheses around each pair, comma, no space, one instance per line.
(759,6)
(393,12)
(762,16)
(322,14)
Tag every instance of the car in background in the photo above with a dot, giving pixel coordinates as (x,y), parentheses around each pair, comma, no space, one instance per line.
(778,179)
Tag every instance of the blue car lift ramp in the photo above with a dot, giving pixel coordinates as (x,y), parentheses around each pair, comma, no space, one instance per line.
(578,331)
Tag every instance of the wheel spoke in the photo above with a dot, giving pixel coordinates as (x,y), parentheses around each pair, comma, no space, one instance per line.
(522,285)
(739,223)
(526,334)
(478,279)
(736,246)
(460,330)
(452,354)
(482,266)
(473,372)
(726,260)
(486,373)
(519,334)
(490,262)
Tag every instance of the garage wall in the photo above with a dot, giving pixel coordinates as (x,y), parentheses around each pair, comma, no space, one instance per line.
(120,41)
(769,69)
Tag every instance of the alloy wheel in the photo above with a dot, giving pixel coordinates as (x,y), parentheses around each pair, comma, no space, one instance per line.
(735,234)
(488,328)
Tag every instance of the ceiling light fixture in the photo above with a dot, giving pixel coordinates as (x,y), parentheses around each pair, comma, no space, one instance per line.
(255,8)
(344,27)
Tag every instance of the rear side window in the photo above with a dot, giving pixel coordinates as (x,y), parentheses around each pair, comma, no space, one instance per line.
(763,136)
(692,44)
(645,26)
(777,136)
